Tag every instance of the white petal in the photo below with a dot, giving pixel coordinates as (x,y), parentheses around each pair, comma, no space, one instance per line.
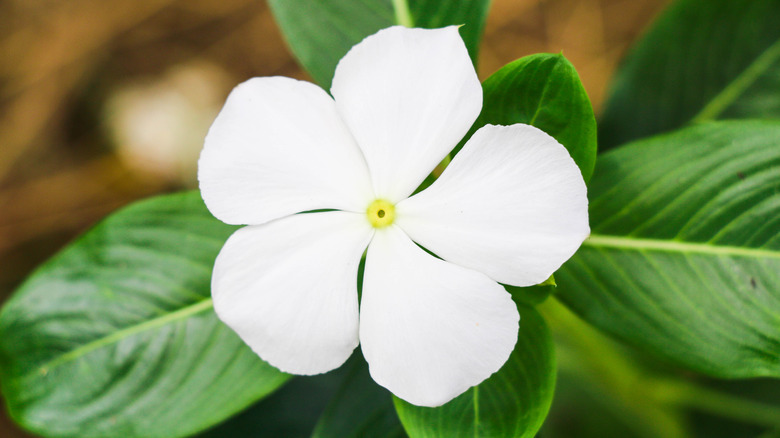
(430,329)
(512,204)
(289,288)
(408,96)
(279,147)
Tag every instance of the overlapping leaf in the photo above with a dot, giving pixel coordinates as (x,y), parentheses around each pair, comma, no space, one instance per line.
(702,60)
(116,336)
(545,91)
(684,256)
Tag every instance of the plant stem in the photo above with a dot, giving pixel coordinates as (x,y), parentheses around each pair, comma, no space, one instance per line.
(402,14)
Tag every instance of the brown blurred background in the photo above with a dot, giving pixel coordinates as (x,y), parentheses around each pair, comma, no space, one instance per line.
(105,102)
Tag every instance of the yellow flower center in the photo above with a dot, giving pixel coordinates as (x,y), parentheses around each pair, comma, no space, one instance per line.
(380,213)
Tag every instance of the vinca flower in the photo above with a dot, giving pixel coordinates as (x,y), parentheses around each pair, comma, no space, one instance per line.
(319,180)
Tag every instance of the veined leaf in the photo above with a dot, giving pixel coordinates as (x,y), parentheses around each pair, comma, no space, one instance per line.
(702,60)
(116,336)
(511,403)
(545,91)
(321,32)
(684,256)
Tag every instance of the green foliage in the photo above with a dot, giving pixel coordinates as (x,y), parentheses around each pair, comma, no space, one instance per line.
(545,91)
(702,60)
(116,336)
(532,295)
(303,403)
(320,33)
(684,256)
(472,14)
(344,403)
(360,408)
(511,403)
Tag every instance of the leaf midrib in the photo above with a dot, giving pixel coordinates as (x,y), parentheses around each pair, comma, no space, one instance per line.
(676,246)
(595,241)
(117,336)
(403,15)
(731,92)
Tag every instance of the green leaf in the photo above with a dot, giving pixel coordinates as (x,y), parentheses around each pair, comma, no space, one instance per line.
(545,91)
(290,412)
(344,403)
(360,408)
(684,255)
(532,295)
(702,60)
(511,403)
(472,14)
(321,32)
(116,336)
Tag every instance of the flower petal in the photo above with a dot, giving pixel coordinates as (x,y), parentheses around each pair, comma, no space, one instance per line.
(512,204)
(408,96)
(279,147)
(430,329)
(289,288)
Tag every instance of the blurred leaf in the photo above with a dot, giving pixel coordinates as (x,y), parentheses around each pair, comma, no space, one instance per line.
(343,403)
(577,412)
(511,403)
(471,14)
(545,91)
(604,389)
(321,32)
(360,408)
(290,412)
(116,336)
(702,60)
(684,256)
(744,408)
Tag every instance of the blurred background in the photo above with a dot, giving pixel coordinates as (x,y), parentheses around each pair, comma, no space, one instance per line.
(105,102)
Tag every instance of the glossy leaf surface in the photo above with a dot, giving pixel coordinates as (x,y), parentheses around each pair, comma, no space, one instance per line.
(684,255)
(511,403)
(545,91)
(701,60)
(321,32)
(116,336)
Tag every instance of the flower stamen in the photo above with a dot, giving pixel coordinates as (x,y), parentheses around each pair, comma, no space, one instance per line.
(380,213)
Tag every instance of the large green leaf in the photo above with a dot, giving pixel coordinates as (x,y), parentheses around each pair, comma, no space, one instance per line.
(116,336)
(545,91)
(684,256)
(321,32)
(512,403)
(702,60)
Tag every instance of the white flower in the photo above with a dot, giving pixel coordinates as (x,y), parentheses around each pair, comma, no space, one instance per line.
(510,208)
